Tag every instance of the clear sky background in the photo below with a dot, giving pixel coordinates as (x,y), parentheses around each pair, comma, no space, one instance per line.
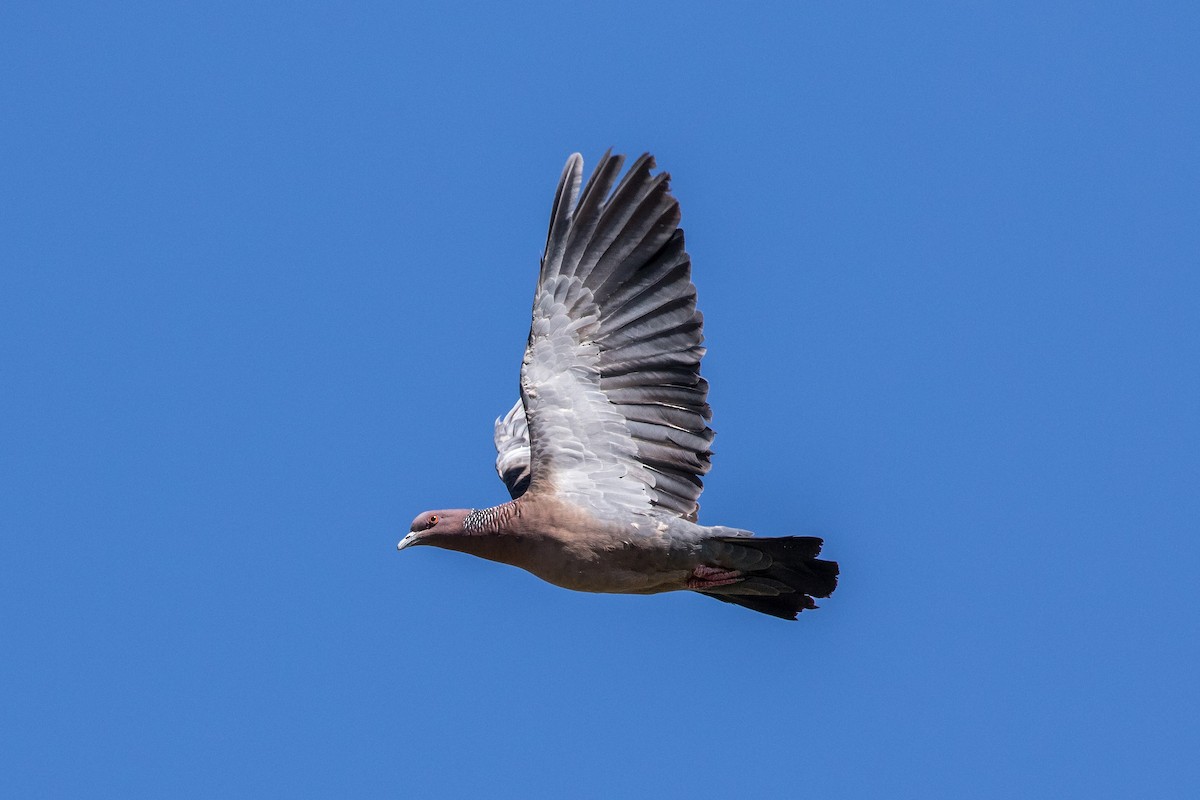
(265,275)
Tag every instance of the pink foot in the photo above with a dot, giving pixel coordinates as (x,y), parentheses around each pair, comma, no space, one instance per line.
(707,577)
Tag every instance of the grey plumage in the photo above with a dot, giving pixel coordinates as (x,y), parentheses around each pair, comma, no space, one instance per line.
(616,282)
(605,451)
(512,450)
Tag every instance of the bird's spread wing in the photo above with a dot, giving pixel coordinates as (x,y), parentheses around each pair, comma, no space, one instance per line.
(616,409)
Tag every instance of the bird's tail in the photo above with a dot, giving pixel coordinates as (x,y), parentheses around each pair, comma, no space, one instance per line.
(782,574)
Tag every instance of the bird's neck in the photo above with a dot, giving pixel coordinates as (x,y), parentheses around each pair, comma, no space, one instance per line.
(489,520)
(486,534)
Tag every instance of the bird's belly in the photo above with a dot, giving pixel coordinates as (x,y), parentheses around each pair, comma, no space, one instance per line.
(614,582)
(616,568)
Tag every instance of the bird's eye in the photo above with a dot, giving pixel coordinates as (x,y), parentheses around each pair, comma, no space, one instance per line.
(432,520)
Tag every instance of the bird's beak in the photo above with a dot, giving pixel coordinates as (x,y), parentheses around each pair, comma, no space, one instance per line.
(410,539)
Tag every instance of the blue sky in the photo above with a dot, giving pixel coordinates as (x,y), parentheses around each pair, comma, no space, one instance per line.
(265,275)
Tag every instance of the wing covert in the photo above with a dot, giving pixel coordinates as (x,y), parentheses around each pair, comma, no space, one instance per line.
(512,450)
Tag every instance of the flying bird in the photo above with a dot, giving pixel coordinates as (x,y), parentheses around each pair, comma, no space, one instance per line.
(604,450)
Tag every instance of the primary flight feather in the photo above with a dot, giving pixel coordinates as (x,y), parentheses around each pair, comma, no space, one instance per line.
(604,450)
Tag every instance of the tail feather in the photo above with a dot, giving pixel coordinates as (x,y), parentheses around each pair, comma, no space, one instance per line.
(793,563)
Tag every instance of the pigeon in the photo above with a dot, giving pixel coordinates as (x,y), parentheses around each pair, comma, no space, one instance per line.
(604,451)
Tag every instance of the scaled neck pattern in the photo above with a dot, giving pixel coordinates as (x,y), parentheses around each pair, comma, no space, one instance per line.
(489,520)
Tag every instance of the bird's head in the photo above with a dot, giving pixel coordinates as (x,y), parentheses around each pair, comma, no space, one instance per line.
(434,527)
